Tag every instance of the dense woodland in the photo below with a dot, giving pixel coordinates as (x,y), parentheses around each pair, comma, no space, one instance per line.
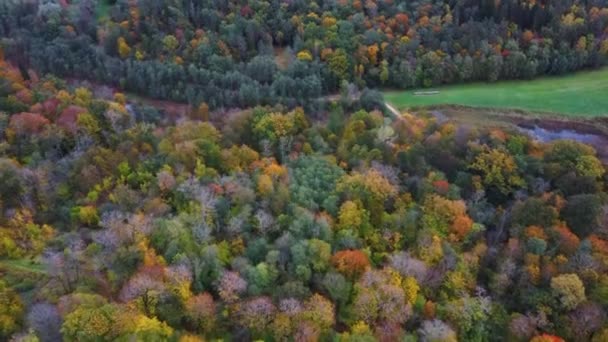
(247,53)
(299,214)
(268,225)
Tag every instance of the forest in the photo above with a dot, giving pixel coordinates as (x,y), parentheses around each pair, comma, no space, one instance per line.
(248,53)
(288,203)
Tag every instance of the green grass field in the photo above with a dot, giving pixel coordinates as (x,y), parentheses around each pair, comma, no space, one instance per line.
(581,94)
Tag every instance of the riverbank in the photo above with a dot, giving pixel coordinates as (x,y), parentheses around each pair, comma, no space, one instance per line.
(544,127)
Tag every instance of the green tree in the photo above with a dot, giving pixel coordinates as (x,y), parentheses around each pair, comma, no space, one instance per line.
(534,212)
(339,65)
(564,156)
(313,181)
(582,213)
(91,323)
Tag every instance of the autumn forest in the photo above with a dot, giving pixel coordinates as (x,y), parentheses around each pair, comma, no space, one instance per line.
(226,170)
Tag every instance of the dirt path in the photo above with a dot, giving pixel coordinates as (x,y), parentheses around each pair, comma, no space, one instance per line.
(395,113)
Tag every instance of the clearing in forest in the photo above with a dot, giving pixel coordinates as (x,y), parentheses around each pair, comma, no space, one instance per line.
(580,94)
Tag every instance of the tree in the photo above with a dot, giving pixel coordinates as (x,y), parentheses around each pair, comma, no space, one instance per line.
(582,214)
(547,338)
(201,312)
(569,289)
(313,182)
(585,320)
(192,143)
(11,311)
(408,266)
(304,55)
(135,326)
(339,65)
(446,217)
(498,170)
(265,185)
(190,338)
(568,242)
(384,72)
(601,335)
(589,166)
(353,217)
(239,158)
(411,288)
(170,43)
(146,290)
(534,212)
(22,237)
(27,123)
(523,327)
(371,187)
(91,323)
(231,286)
(274,126)
(564,155)
(310,256)
(86,215)
(124,50)
(201,112)
(319,312)
(380,298)
(436,331)
(372,100)
(472,316)
(12,186)
(45,320)
(350,263)
(338,287)
(256,314)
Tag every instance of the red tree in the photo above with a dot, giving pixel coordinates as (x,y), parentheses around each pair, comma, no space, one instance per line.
(351,263)
(28,123)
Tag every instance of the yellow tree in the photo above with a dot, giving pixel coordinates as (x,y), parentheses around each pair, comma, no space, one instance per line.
(90,323)
(304,55)
(569,289)
(124,50)
(446,217)
(372,187)
(351,216)
(22,237)
(498,169)
(265,185)
(11,310)
(201,112)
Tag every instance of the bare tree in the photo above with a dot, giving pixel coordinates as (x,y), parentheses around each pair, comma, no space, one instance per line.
(45,320)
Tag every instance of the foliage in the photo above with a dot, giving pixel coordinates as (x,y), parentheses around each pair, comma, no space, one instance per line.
(570,290)
(498,169)
(90,323)
(350,263)
(312,181)
(272,224)
(11,310)
(582,213)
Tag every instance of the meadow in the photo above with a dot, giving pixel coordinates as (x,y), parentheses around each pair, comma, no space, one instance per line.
(583,94)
